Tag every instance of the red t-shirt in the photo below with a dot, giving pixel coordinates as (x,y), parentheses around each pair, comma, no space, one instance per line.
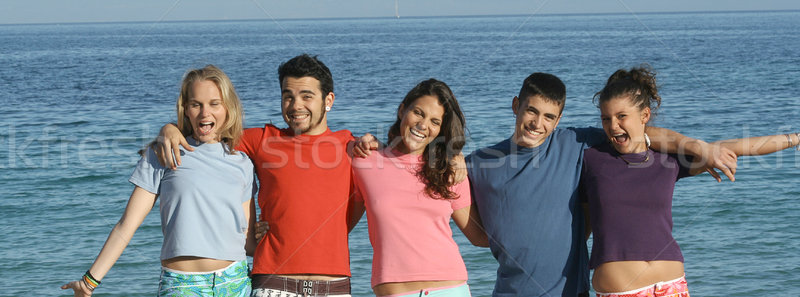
(305,187)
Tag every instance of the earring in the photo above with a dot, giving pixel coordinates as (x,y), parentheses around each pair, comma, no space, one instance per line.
(327,108)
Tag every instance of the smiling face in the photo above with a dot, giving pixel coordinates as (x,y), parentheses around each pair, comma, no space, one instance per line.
(624,124)
(536,120)
(205,111)
(420,123)
(303,105)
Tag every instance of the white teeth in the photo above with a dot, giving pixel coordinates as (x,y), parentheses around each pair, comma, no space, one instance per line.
(299,116)
(533,132)
(417,134)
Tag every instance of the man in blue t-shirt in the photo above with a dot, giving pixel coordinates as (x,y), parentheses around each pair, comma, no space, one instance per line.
(525,189)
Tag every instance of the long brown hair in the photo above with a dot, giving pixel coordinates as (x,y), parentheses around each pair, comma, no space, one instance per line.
(435,171)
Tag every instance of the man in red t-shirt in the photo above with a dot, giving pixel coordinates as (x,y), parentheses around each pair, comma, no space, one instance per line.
(305,188)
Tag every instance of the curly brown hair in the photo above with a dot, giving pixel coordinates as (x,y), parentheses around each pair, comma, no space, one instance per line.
(436,172)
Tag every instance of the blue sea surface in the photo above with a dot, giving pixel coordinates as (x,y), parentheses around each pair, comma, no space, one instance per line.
(78,101)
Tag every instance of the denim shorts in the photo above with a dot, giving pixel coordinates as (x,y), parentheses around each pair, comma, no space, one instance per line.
(229,281)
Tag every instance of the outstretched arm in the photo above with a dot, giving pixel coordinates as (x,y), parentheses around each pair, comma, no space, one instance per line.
(762,145)
(139,205)
(754,146)
(710,156)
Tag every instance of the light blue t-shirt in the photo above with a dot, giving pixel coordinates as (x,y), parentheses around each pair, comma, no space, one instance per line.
(527,199)
(201,201)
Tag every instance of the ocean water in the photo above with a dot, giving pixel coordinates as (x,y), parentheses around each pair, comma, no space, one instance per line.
(79,100)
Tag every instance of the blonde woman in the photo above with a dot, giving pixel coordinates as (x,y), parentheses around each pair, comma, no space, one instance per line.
(206,207)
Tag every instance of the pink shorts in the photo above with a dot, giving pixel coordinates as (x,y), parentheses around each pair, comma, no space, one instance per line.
(673,288)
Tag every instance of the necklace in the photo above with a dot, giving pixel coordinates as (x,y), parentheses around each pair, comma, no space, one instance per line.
(646,158)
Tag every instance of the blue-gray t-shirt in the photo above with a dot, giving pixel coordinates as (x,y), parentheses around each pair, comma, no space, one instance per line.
(201,201)
(528,201)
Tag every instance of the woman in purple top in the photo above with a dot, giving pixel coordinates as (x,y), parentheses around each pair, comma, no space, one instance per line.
(629,190)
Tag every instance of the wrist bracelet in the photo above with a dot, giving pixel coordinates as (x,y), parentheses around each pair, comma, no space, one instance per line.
(798,141)
(90,280)
(789,139)
(88,284)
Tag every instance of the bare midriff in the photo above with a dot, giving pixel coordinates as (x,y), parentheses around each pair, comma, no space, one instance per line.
(195,264)
(403,287)
(317,277)
(622,276)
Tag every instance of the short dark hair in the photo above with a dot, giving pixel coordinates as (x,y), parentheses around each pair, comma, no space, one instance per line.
(305,65)
(546,85)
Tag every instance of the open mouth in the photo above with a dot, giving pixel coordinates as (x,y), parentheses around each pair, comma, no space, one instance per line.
(417,134)
(620,138)
(205,128)
(299,116)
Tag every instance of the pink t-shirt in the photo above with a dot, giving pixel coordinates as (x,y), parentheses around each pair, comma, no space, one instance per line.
(409,231)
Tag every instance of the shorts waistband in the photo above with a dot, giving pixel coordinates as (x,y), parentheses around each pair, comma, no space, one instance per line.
(416,292)
(301,287)
(652,286)
(205,272)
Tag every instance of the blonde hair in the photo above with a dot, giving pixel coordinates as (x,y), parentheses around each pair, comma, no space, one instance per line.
(231,132)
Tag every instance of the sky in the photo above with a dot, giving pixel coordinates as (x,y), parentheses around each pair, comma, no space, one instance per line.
(70,11)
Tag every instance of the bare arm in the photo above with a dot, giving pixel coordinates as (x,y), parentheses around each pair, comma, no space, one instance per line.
(139,205)
(459,169)
(708,156)
(356,211)
(363,146)
(250,214)
(753,146)
(469,221)
(762,145)
(167,144)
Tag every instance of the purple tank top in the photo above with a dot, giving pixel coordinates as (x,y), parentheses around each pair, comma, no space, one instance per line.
(630,204)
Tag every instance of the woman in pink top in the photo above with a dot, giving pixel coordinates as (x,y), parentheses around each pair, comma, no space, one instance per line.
(409,196)
(629,190)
